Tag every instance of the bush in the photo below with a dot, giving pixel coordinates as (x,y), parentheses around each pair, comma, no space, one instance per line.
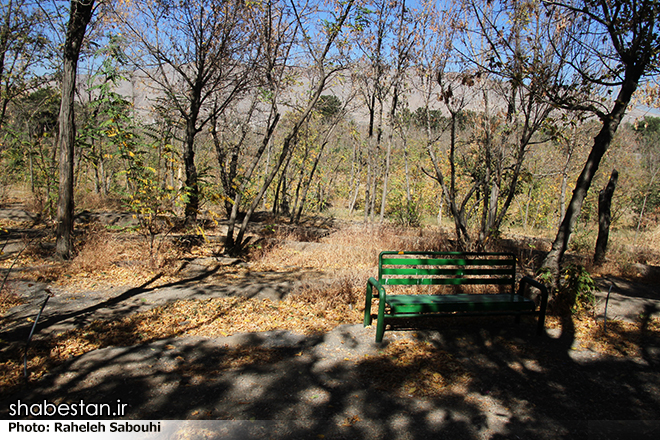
(576,291)
(406,213)
(582,242)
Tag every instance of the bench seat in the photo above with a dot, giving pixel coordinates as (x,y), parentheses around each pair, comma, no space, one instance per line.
(462,302)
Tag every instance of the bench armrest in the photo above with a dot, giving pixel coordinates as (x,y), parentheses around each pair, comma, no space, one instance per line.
(380,293)
(375,283)
(544,298)
(532,282)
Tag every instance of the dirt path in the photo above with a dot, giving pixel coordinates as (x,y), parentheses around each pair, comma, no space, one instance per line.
(617,299)
(626,300)
(333,385)
(339,385)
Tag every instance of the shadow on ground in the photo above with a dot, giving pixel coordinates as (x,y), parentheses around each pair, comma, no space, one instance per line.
(67,311)
(328,386)
(342,385)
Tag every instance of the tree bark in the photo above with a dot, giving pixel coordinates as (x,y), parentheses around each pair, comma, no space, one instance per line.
(386,175)
(81,14)
(604,218)
(192,184)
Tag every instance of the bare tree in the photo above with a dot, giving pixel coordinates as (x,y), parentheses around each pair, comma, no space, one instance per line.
(604,217)
(403,54)
(512,113)
(22,45)
(200,56)
(608,48)
(322,69)
(372,74)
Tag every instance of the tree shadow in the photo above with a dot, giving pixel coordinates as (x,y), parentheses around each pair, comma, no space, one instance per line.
(519,385)
(17,324)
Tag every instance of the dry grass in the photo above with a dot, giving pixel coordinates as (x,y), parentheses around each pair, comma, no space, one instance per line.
(345,289)
(91,201)
(355,247)
(103,260)
(99,250)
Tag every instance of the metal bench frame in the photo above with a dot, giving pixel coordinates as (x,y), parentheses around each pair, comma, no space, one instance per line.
(450,269)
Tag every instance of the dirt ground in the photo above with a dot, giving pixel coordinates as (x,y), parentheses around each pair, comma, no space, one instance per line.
(509,383)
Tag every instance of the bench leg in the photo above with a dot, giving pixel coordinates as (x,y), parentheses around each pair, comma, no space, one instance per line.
(380,330)
(367,306)
(542,309)
(540,329)
(380,326)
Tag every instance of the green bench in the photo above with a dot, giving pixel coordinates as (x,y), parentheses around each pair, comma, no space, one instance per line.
(451,272)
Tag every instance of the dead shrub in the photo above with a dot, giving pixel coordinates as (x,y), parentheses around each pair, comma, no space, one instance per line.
(353,246)
(387,238)
(91,201)
(300,233)
(40,204)
(98,249)
(39,250)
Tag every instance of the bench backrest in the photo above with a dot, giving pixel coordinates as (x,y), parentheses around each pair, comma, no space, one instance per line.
(447,268)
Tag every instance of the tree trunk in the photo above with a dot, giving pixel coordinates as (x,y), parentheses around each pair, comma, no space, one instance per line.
(308,184)
(604,218)
(372,208)
(281,204)
(407,170)
(81,14)
(353,200)
(266,168)
(192,185)
(602,141)
(228,170)
(388,154)
(386,176)
(273,121)
(367,192)
(299,185)
(460,224)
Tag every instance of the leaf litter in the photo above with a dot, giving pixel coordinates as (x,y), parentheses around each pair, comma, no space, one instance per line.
(417,368)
